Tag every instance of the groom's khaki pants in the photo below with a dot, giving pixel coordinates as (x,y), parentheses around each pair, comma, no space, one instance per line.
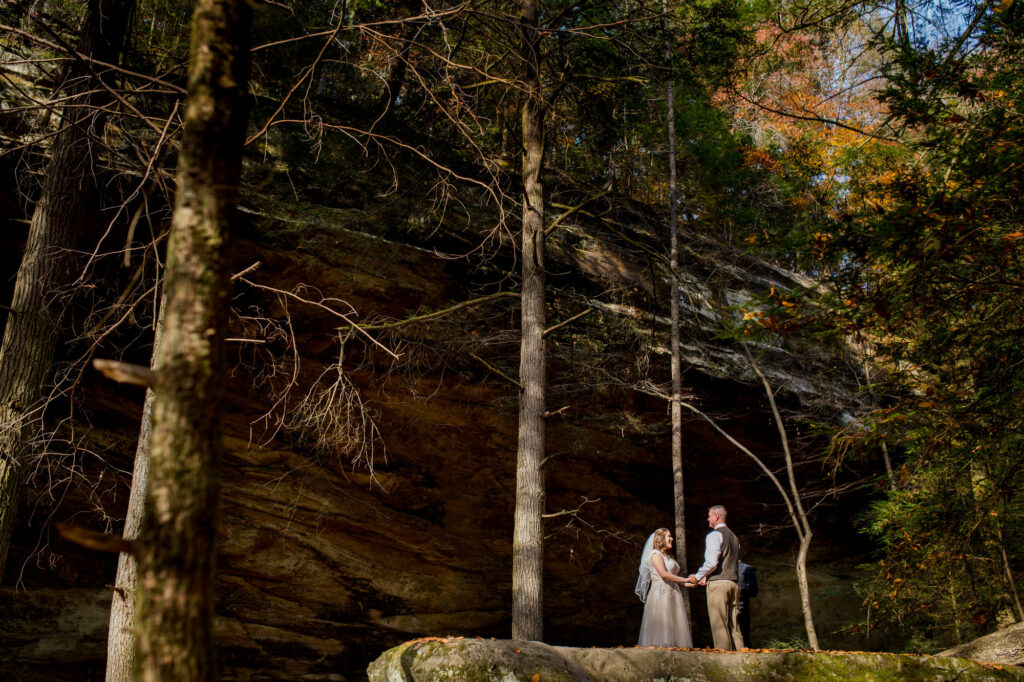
(723,607)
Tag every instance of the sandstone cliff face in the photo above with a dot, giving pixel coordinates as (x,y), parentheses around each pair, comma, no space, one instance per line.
(323,565)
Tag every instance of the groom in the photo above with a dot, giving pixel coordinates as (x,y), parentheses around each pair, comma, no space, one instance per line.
(721,574)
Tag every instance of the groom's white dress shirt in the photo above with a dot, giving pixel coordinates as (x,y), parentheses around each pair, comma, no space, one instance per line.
(712,551)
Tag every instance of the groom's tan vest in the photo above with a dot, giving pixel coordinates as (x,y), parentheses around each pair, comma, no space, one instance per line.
(728,560)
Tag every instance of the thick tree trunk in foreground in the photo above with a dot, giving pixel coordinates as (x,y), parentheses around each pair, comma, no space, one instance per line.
(528,541)
(48,266)
(179,529)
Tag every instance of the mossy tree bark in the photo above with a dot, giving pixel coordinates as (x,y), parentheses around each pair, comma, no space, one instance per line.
(176,543)
(48,266)
(528,540)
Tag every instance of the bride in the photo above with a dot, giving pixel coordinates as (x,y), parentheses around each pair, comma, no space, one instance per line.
(665,622)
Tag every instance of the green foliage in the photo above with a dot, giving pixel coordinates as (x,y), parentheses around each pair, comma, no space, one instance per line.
(918,241)
(928,268)
(787,643)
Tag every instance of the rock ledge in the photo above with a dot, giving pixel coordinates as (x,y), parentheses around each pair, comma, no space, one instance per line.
(478,660)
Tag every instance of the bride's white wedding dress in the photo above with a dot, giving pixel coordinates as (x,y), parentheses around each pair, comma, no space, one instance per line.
(665,622)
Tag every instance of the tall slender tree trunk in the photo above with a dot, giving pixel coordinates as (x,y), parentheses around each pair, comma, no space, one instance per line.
(176,543)
(121,631)
(797,514)
(796,509)
(805,588)
(983,488)
(885,448)
(1011,583)
(528,540)
(48,265)
(678,488)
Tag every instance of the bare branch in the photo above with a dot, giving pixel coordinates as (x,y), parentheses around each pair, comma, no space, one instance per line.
(86,58)
(94,539)
(569,321)
(571,512)
(437,313)
(320,304)
(571,210)
(243,273)
(309,71)
(125,373)
(496,371)
(757,460)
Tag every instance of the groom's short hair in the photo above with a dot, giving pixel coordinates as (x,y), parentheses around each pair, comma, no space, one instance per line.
(720,510)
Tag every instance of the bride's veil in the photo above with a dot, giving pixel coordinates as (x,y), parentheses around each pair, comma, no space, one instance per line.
(643,581)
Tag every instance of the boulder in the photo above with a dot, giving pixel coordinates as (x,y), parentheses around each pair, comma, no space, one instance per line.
(1004,646)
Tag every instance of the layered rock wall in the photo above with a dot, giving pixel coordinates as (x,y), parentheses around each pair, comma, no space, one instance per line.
(324,564)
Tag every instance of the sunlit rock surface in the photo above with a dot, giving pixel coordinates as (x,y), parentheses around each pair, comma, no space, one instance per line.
(1003,646)
(474,660)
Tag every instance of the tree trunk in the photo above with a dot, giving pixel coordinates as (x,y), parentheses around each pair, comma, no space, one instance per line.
(796,512)
(121,632)
(528,541)
(805,590)
(1011,583)
(796,509)
(885,448)
(678,488)
(983,490)
(48,266)
(888,466)
(176,544)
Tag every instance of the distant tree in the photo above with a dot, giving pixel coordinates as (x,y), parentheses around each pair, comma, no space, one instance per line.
(528,542)
(177,541)
(700,65)
(675,362)
(56,235)
(121,643)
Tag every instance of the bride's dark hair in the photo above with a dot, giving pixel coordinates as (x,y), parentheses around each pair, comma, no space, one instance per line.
(659,541)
